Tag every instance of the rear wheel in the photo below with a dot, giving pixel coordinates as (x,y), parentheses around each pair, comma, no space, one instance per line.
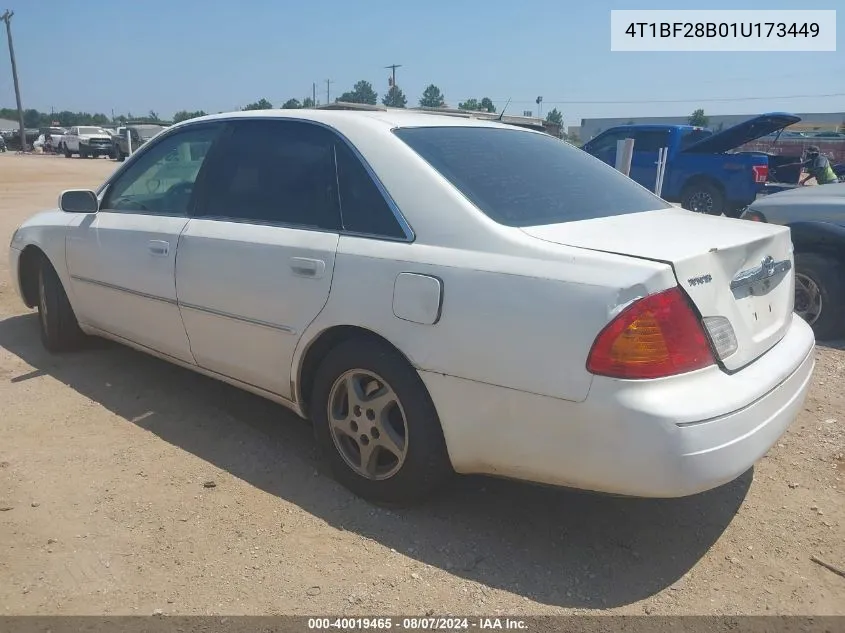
(703,197)
(67,152)
(375,421)
(820,294)
(59,329)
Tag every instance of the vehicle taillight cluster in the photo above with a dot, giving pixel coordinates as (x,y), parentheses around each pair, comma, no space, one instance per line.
(761,173)
(657,336)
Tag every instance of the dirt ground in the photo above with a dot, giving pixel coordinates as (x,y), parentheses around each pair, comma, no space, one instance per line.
(103,510)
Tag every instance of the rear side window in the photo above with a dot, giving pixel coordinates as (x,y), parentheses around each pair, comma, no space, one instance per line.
(521,178)
(362,205)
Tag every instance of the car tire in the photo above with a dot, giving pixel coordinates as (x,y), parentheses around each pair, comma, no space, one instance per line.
(407,424)
(120,156)
(68,153)
(59,328)
(821,278)
(703,197)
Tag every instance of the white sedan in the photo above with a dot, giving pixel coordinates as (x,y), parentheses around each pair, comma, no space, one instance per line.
(437,295)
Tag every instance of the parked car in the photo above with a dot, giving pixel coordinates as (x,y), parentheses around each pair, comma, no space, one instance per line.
(86,141)
(436,294)
(130,138)
(816,217)
(701,173)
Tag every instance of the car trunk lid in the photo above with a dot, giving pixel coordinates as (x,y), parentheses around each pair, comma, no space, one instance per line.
(745,132)
(739,270)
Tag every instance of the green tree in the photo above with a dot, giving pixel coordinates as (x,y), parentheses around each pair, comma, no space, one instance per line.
(291,104)
(31,118)
(362,92)
(261,104)
(184,115)
(395,98)
(469,104)
(308,102)
(153,116)
(432,97)
(485,105)
(698,118)
(555,116)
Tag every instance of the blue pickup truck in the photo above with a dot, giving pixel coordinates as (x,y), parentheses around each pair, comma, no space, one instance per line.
(702,171)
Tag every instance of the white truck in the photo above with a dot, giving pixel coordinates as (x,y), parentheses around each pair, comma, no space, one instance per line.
(85,141)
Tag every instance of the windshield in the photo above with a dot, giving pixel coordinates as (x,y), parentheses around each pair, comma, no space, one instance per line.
(93,130)
(521,178)
(147,132)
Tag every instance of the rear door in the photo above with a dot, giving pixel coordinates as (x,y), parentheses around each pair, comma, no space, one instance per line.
(256,260)
(647,145)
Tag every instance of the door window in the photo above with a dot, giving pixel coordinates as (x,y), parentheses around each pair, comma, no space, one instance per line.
(274,172)
(363,206)
(606,142)
(160,181)
(650,140)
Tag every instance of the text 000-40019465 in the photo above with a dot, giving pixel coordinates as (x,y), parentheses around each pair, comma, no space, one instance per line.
(723,30)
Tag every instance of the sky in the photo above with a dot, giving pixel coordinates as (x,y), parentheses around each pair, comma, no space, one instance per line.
(165,56)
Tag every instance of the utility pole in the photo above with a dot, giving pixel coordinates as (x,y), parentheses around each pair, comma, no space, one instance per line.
(328,83)
(314,94)
(391,92)
(7,18)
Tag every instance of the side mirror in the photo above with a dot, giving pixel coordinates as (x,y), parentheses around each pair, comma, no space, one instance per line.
(79,201)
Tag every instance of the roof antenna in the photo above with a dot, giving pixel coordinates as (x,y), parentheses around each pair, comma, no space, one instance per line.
(503,109)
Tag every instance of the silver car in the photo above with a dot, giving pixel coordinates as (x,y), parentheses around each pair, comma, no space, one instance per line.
(816,216)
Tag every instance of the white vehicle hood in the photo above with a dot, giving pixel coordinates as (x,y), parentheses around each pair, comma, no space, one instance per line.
(715,260)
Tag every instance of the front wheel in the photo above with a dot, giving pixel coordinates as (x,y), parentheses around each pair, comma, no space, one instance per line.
(59,328)
(375,420)
(703,197)
(820,294)
(68,153)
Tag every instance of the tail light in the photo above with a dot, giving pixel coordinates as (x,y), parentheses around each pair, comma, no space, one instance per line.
(754,216)
(656,336)
(761,173)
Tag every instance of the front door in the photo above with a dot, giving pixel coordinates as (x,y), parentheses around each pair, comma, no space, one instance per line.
(122,260)
(256,260)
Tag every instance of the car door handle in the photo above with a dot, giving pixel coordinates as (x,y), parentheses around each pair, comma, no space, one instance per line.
(306,267)
(159,247)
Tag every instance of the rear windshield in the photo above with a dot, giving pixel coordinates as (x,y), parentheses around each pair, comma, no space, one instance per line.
(521,178)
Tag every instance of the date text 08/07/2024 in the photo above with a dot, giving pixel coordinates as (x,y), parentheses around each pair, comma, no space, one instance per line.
(722,29)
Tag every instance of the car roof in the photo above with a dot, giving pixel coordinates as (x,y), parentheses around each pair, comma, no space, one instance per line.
(344,119)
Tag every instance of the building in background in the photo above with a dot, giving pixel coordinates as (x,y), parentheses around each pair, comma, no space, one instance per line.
(7,125)
(813,122)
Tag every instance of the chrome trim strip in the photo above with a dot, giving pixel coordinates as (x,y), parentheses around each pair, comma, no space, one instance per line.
(103,284)
(767,268)
(234,317)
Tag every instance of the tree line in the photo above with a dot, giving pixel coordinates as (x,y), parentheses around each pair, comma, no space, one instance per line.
(362,92)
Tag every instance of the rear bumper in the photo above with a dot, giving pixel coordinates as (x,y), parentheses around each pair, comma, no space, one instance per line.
(662,438)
